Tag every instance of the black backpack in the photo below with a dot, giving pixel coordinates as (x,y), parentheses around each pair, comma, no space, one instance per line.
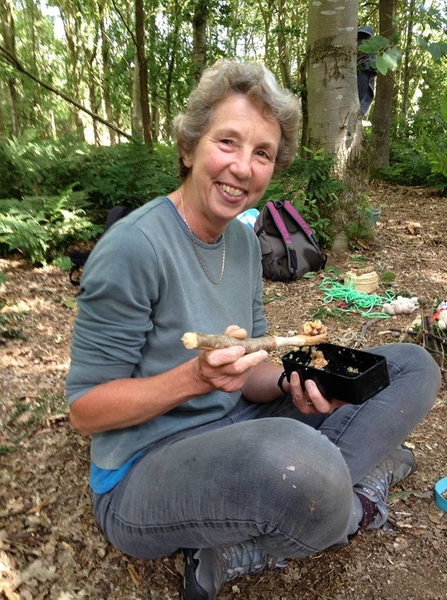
(78,259)
(288,245)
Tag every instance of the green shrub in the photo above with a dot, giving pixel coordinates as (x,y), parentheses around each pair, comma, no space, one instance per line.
(10,179)
(436,154)
(44,231)
(418,154)
(309,185)
(113,174)
(40,168)
(409,165)
(109,175)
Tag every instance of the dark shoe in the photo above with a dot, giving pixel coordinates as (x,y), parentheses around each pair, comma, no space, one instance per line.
(213,567)
(191,590)
(375,486)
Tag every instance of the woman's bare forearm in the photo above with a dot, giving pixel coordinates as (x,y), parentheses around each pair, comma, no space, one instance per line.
(127,402)
(262,385)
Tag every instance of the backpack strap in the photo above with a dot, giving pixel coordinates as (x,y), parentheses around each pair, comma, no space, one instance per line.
(292,258)
(288,207)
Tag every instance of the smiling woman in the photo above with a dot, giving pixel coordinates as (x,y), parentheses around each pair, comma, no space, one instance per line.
(211,450)
(230,167)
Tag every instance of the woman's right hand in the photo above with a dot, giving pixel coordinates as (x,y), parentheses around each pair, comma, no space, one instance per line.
(228,369)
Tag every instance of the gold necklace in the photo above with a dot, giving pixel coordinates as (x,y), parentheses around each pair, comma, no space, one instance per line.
(197,251)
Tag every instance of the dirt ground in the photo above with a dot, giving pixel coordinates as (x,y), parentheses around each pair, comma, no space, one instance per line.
(50,546)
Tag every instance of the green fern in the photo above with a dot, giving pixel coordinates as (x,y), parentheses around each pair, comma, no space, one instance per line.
(42,235)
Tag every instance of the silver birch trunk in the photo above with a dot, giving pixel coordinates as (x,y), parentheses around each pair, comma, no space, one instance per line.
(335,121)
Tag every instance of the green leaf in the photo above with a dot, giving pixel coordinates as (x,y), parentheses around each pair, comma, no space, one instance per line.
(374,44)
(63,262)
(444,106)
(395,54)
(70,302)
(334,270)
(437,50)
(387,277)
(421,42)
(359,258)
(391,58)
(405,494)
(381,65)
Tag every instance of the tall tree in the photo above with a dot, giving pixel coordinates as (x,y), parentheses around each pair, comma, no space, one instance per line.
(142,72)
(106,70)
(170,63)
(90,43)
(283,51)
(201,11)
(335,123)
(72,21)
(382,113)
(154,82)
(406,75)
(9,41)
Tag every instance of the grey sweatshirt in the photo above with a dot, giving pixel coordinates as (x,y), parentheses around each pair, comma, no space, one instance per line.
(141,290)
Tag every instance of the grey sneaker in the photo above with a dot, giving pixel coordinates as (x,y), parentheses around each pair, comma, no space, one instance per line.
(207,569)
(375,486)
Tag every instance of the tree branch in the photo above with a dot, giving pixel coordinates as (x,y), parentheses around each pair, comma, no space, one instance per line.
(12,60)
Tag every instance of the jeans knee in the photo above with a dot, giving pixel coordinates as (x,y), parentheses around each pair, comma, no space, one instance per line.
(307,494)
(329,502)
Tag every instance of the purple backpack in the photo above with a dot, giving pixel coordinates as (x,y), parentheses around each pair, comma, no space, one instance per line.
(288,245)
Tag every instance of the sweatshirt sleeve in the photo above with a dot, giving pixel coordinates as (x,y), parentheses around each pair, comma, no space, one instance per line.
(117,292)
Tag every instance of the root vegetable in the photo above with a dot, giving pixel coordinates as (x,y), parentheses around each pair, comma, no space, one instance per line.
(204,341)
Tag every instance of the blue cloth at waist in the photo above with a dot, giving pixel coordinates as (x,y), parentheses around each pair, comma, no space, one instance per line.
(104,480)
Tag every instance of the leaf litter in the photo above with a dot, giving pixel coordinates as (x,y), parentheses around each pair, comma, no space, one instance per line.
(50,545)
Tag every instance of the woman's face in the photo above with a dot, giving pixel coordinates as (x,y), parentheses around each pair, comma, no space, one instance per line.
(231,166)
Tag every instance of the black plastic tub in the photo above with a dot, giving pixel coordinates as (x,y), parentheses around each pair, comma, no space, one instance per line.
(350,375)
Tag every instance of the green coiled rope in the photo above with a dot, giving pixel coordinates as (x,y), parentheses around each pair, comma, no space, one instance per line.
(354,300)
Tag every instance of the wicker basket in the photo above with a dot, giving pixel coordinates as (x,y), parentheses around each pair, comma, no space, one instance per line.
(366,282)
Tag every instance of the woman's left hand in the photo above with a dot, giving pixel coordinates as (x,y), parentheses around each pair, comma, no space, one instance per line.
(310,400)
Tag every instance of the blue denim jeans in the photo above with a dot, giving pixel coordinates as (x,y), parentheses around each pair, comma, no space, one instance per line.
(267,471)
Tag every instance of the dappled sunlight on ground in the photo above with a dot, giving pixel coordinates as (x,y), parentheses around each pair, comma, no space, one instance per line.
(50,546)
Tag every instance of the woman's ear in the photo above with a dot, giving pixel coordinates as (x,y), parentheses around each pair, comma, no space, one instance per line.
(187,159)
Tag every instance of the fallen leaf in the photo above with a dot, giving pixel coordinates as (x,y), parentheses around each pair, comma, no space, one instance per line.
(405,494)
(434,519)
(400,543)
(70,302)
(136,578)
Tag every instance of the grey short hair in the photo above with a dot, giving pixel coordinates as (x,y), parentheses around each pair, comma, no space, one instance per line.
(254,80)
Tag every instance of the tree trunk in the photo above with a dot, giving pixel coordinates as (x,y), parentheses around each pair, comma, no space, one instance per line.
(2,117)
(90,47)
(304,111)
(36,116)
(381,117)
(267,17)
(335,122)
(72,35)
(94,105)
(153,71)
(199,22)
(171,64)
(137,117)
(8,31)
(142,72)
(407,52)
(284,62)
(106,94)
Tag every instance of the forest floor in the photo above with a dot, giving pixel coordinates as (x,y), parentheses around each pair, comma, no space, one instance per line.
(50,546)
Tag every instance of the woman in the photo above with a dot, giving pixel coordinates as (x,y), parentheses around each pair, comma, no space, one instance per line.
(212,451)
